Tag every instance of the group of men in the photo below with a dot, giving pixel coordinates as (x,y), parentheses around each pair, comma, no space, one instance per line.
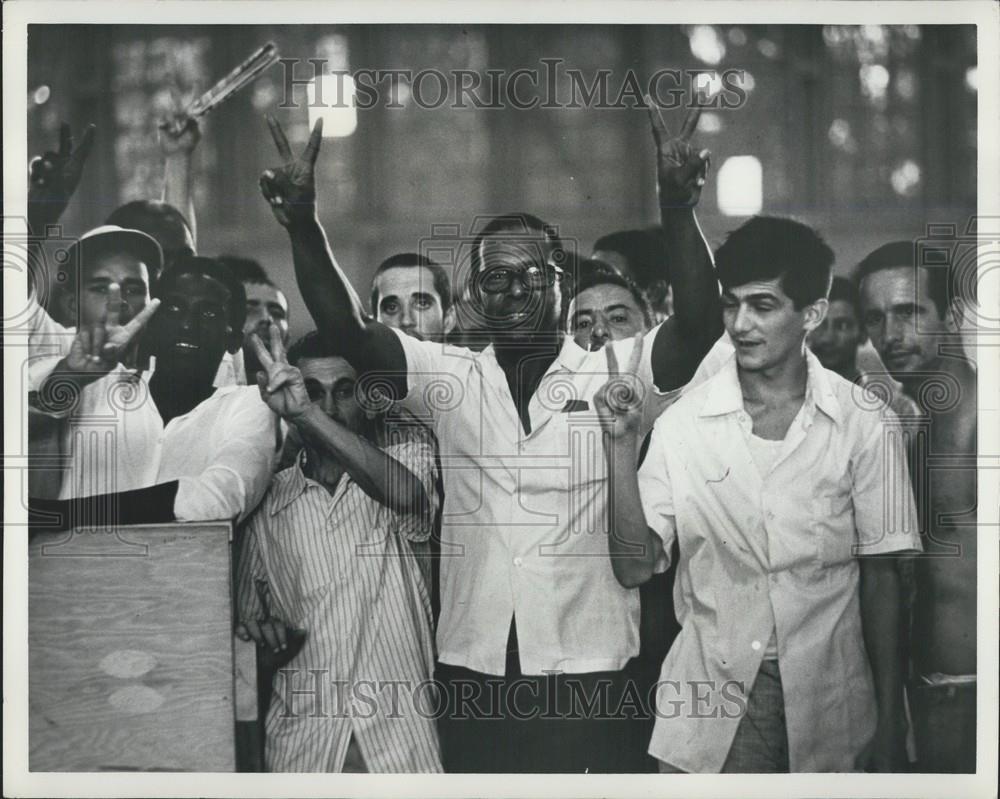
(639,530)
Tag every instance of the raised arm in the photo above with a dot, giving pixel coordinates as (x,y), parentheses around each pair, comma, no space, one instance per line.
(635,549)
(178,138)
(380,476)
(685,338)
(333,303)
(53,178)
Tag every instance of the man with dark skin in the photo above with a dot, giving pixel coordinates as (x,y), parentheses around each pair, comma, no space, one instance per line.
(210,450)
(588,629)
(53,178)
(913,326)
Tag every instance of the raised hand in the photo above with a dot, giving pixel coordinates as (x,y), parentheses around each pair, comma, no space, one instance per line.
(291,188)
(98,348)
(281,384)
(619,401)
(178,135)
(681,169)
(54,176)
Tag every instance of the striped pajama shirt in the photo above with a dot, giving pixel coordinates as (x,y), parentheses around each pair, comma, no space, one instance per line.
(340,567)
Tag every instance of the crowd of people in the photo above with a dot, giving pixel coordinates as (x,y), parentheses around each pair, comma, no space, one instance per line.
(641,511)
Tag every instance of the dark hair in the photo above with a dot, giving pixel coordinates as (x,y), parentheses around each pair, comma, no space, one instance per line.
(314,345)
(311,345)
(771,247)
(439,275)
(518,224)
(898,254)
(591,272)
(645,251)
(212,268)
(846,290)
(143,214)
(246,270)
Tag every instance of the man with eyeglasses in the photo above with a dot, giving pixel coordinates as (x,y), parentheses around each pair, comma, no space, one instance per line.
(534,631)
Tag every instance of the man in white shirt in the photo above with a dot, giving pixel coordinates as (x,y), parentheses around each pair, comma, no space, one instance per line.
(180,448)
(109,268)
(781,481)
(532,617)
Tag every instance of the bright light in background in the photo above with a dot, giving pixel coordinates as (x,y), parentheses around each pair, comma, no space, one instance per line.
(905,178)
(874,80)
(740,186)
(709,123)
(737,36)
(971,79)
(906,84)
(41,95)
(706,44)
(841,137)
(265,94)
(340,115)
(767,48)
(708,84)
(875,34)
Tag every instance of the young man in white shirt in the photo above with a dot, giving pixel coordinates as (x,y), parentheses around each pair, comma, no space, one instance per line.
(182,449)
(531,612)
(782,482)
(327,552)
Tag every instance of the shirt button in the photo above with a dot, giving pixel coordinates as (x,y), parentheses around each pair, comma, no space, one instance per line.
(755,646)
(518,562)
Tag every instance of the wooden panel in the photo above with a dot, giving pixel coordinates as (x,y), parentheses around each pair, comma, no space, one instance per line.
(130,650)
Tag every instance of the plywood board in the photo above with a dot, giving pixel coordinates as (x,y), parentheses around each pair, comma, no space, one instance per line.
(130,650)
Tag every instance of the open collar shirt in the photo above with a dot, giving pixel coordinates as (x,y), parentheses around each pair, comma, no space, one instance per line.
(524,527)
(773,552)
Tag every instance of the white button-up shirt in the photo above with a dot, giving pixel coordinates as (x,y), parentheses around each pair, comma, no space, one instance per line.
(524,527)
(775,552)
(113,439)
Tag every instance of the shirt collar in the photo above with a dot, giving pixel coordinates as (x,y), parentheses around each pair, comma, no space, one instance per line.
(820,390)
(290,485)
(726,396)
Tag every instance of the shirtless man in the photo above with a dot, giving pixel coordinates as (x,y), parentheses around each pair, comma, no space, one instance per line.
(912,324)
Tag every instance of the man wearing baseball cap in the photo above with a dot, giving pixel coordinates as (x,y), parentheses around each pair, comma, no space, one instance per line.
(170,445)
(71,368)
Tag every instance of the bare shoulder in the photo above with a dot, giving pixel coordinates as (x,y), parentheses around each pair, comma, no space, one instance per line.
(955,421)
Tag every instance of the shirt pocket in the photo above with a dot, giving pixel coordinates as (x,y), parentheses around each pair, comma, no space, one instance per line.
(833,526)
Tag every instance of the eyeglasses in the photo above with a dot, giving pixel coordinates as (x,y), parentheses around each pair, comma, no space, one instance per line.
(500,279)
